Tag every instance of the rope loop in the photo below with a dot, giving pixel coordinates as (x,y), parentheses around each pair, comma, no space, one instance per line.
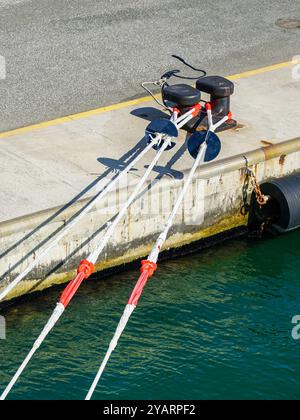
(86,267)
(148,266)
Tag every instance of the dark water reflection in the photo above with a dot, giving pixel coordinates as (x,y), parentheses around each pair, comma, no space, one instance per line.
(213,325)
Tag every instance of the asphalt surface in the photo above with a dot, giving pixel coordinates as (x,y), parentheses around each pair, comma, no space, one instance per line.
(68,56)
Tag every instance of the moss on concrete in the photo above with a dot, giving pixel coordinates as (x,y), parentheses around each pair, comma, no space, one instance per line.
(176,240)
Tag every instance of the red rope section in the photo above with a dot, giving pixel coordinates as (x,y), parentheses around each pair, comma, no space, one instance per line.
(85,269)
(147,270)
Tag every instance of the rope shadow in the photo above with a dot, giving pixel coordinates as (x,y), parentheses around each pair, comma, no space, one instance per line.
(149,113)
(123,161)
(167,170)
(180,152)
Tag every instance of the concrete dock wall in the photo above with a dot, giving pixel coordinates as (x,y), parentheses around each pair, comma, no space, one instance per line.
(212,205)
(51,170)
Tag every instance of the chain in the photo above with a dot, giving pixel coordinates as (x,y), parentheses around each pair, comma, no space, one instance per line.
(260,197)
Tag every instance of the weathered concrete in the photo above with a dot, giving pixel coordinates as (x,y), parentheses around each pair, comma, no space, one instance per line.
(46,168)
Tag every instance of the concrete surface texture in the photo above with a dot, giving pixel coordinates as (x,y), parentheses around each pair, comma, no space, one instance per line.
(211,209)
(49,172)
(50,166)
(63,57)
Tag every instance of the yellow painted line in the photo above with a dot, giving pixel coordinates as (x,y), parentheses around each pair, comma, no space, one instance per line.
(132,102)
(74,117)
(261,70)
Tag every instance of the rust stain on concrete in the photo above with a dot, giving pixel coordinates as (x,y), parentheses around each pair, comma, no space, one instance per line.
(282,160)
(266,143)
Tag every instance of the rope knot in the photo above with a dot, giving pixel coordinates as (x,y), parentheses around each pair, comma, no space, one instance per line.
(86,267)
(148,266)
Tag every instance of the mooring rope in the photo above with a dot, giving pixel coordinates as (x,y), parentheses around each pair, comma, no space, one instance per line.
(150,265)
(85,269)
(72,223)
(95,254)
(147,270)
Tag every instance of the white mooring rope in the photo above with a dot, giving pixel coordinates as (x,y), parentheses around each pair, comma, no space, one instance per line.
(95,254)
(70,225)
(153,256)
(58,311)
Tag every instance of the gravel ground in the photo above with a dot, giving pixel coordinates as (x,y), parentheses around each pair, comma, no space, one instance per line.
(67,56)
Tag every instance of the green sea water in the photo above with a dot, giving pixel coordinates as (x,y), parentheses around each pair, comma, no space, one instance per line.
(213,325)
